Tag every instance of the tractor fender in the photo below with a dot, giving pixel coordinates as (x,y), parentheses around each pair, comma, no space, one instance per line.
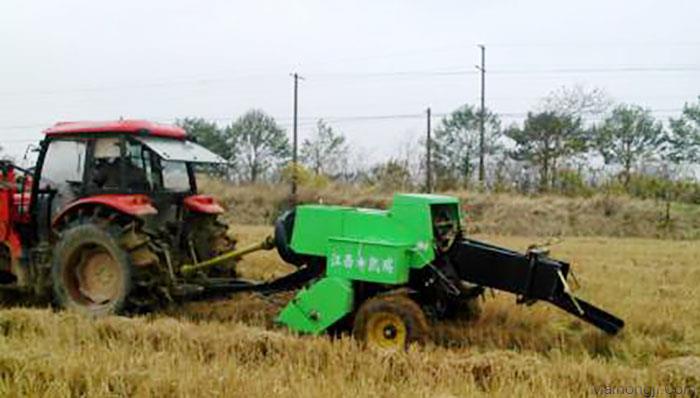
(132,204)
(203,204)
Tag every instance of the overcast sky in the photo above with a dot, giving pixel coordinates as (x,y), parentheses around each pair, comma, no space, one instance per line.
(161,60)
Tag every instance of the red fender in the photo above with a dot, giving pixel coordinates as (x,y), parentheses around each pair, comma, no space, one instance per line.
(203,204)
(131,204)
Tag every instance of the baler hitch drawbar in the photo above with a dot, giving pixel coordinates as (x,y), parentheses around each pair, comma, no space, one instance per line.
(215,287)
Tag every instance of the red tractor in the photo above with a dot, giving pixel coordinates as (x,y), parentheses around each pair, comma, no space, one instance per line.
(108,216)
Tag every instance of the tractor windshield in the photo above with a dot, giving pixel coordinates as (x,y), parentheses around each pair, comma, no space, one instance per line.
(174,156)
(180,151)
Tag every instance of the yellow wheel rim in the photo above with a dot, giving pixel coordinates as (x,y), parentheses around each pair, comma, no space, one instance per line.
(386,331)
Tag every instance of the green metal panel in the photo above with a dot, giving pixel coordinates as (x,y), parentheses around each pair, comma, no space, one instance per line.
(381,262)
(316,308)
(407,224)
(313,224)
(423,199)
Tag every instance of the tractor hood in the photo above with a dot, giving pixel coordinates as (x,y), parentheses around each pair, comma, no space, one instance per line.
(180,151)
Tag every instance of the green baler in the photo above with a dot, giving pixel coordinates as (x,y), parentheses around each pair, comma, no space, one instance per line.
(386,273)
(415,250)
(360,246)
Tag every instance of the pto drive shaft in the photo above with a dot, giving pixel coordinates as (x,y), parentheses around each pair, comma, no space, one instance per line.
(189,269)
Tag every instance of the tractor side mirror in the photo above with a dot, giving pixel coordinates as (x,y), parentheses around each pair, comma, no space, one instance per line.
(30,148)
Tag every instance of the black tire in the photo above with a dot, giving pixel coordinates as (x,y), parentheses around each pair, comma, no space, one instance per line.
(284,227)
(91,272)
(209,239)
(390,322)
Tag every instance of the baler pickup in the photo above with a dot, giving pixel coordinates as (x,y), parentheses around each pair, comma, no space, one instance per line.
(532,276)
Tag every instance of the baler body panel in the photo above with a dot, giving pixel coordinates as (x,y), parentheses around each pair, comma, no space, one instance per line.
(316,308)
(362,243)
(370,261)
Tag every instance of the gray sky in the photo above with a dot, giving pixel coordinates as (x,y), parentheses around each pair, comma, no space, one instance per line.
(160,60)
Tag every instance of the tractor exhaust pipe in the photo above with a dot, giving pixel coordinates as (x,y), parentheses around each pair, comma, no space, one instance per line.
(531,276)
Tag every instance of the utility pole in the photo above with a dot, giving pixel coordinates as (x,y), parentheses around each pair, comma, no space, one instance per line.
(428,144)
(294,140)
(482,113)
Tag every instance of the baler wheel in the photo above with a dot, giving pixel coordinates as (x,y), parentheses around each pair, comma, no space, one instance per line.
(390,323)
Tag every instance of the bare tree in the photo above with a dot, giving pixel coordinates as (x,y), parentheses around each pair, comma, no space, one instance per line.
(576,101)
(326,152)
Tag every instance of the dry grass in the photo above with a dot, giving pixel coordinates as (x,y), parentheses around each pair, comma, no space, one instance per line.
(496,214)
(232,348)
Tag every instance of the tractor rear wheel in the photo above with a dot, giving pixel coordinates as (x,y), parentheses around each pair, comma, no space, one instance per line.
(91,272)
(390,323)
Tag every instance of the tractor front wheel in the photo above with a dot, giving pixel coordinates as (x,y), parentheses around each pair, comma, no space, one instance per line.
(91,272)
(390,323)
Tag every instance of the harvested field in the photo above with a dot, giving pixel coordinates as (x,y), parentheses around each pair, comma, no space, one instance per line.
(233,348)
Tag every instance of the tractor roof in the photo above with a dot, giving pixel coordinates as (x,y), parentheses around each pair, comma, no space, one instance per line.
(139,127)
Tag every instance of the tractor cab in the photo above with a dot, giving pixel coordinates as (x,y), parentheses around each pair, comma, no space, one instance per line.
(138,167)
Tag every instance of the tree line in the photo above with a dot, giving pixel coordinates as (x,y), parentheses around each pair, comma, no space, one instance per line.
(563,145)
(258,149)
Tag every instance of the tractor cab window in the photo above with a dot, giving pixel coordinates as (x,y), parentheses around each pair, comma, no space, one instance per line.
(62,170)
(160,174)
(140,169)
(111,171)
(175,176)
(106,170)
(146,166)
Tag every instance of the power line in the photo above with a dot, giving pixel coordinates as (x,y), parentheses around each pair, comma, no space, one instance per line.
(442,72)
(194,80)
(310,120)
(597,44)
(639,69)
(416,73)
